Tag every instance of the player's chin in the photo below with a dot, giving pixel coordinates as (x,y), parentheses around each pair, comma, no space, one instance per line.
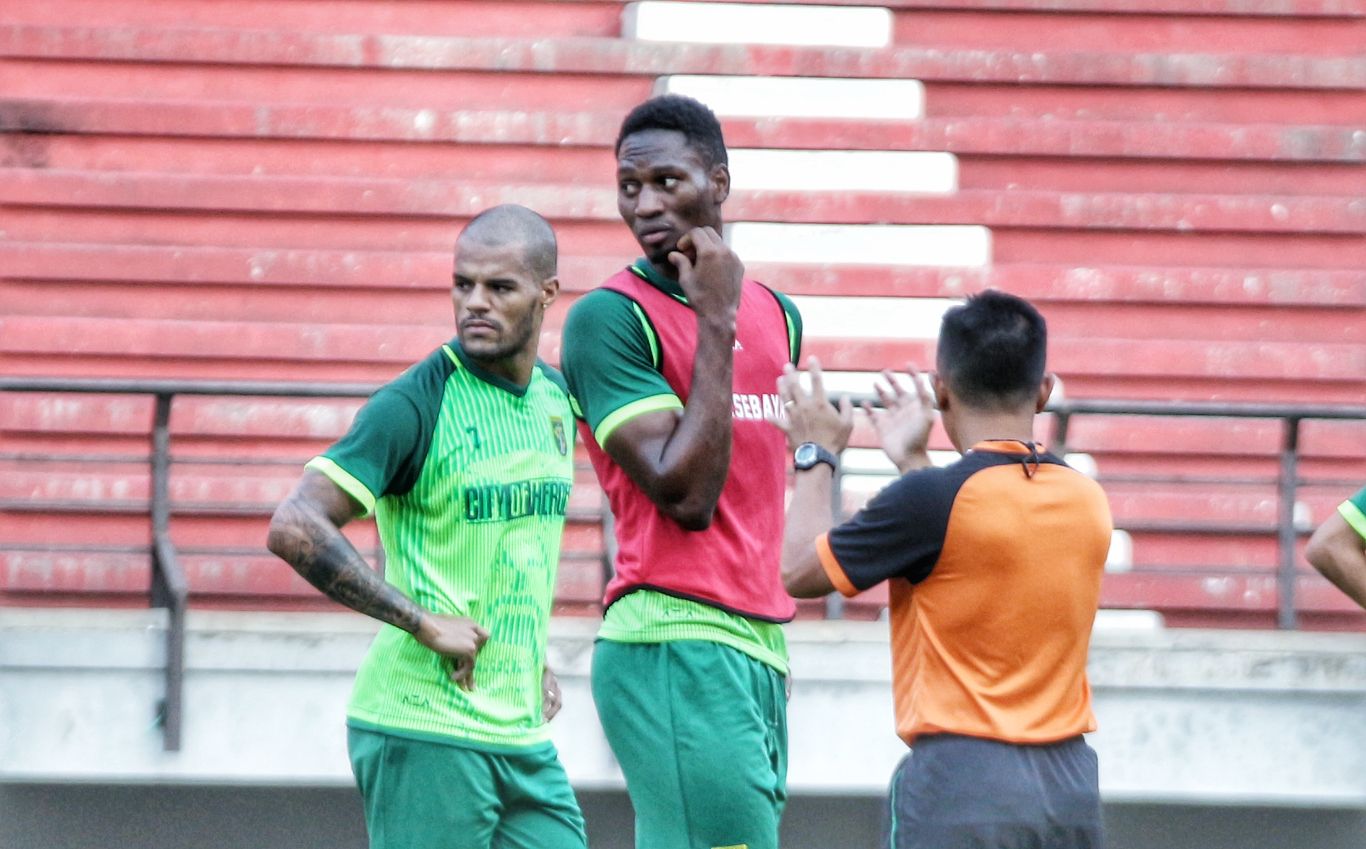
(482,346)
(659,254)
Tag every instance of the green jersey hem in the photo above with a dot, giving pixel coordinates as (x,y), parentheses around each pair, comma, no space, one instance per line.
(646,616)
(503,748)
(344,479)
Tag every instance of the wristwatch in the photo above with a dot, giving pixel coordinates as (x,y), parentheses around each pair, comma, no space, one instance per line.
(809,454)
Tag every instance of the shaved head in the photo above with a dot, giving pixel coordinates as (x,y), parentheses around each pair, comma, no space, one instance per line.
(510,224)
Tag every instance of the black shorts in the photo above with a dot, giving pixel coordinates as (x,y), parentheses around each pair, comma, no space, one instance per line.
(955,792)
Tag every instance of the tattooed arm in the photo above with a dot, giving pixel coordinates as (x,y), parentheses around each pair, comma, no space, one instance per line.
(305,532)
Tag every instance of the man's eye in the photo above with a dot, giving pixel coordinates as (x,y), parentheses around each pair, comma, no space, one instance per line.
(668,182)
(628,187)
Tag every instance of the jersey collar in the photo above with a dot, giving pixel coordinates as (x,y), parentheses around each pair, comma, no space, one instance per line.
(1008,446)
(1026,452)
(463,360)
(645,270)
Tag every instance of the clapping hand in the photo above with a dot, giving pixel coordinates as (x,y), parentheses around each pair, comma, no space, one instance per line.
(904,420)
(810,416)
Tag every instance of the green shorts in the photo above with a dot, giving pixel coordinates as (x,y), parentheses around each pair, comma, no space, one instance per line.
(432,795)
(700,731)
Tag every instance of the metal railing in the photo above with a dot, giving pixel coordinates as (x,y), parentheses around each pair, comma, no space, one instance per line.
(170,589)
(1287,483)
(169,586)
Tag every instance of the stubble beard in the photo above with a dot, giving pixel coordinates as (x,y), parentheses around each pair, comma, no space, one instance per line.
(659,257)
(508,345)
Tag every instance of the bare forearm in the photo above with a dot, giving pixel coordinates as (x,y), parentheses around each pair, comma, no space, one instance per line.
(1344,565)
(912,462)
(809,514)
(681,463)
(318,551)
(1351,581)
(702,443)
(1339,553)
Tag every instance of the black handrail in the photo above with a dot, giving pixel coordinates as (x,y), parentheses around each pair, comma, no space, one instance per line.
(169,587)
(1287,481)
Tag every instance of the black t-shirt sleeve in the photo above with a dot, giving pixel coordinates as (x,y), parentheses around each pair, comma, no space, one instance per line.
(899,533)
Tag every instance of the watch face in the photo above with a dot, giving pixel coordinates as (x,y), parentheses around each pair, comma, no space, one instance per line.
(810,454)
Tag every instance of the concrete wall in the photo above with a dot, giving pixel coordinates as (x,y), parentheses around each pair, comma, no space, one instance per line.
(1207,739)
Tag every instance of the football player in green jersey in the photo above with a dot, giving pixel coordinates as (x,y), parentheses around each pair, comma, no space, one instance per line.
(466,461)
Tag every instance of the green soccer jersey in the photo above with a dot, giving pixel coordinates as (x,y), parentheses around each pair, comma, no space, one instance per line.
(469,478)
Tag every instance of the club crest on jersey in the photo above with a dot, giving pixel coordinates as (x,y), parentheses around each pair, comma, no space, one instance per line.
(561,441)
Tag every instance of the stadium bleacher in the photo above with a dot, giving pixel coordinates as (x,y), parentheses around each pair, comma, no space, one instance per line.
(269,191)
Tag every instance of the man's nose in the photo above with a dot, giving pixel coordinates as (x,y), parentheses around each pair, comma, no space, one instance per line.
(476,299)
(648,203)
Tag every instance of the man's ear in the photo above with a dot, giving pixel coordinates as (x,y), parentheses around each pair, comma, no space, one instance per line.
(720,181)
(550,290)
(1045,391)
(941,393)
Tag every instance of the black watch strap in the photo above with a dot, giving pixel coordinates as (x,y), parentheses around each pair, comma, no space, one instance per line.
(808,455)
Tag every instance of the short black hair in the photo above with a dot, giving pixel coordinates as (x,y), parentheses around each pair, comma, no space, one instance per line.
(511,223)
(693,119)
(992,350)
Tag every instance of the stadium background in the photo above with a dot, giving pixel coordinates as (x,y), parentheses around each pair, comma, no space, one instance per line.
(201,194)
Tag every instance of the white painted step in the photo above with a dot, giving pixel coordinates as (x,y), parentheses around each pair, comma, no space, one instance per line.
(1119,621)
(752,23)
(872,317)
(865,462)
(858,383)
(920,172)
(953,245)
(862,382)
(802,97)
(1120,557)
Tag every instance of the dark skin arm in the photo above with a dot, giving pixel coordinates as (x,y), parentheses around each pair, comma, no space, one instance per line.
(1339,553)
(680,461)
(305,532)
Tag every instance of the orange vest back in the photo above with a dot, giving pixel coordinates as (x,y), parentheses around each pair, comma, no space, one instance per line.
(991,627)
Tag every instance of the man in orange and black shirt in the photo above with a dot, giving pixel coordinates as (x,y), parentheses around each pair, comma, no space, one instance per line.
(993,565)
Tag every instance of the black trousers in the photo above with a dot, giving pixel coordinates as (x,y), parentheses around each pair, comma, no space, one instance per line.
(955,792)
